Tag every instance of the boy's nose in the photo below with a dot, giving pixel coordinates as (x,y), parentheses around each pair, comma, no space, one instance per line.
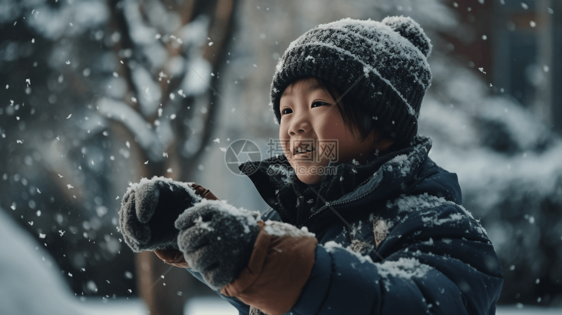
(301,126)
(292,133)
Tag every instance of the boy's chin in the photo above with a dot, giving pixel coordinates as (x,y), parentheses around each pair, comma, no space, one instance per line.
(309,179)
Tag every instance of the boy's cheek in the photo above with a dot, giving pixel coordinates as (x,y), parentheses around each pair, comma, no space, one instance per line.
(285,145)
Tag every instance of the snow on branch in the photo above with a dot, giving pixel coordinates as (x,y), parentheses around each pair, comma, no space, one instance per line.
(80,16)
(145,137)
(149,92)
(140,33)
(195,33)
(197,78)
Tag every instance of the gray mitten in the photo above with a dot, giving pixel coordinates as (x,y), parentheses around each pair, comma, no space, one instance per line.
(149,210)
(217,240)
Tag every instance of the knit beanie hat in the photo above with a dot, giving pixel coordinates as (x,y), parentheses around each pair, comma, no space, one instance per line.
(381,66)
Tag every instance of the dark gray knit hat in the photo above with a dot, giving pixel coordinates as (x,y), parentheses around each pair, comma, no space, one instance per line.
(382,66)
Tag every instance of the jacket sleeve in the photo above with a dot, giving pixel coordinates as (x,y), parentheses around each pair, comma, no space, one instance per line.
(437,261)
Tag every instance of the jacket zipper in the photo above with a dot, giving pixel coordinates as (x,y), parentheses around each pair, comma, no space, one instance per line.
(338,203)
(301,209)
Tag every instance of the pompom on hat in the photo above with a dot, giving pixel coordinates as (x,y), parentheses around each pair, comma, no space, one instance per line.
(381,66)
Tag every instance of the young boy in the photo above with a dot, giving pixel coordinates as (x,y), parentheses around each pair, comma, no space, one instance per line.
(377,228)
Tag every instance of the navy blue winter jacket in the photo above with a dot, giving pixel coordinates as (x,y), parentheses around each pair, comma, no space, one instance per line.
(428,254)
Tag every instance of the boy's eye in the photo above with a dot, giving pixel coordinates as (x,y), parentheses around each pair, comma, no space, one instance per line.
(314,104)
(284,111)
(318,103)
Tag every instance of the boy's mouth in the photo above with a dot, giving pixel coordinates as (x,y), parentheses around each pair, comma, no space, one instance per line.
(301,150)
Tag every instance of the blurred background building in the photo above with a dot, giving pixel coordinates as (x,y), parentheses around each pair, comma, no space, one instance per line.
(97,94)
(517,42)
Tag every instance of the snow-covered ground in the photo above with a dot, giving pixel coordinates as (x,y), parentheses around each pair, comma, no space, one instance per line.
(197,306)
(217,306)
(30,284)
(113,307)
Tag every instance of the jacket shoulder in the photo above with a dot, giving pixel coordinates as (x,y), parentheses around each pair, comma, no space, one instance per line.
(436,181)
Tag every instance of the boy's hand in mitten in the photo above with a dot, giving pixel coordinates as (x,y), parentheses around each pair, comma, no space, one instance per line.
(149,210)
(175,257)
(217,240)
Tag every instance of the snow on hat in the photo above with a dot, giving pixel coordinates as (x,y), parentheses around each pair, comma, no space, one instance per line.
(382,65)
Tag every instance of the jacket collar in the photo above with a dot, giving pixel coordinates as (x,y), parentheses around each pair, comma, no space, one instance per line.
(281,189)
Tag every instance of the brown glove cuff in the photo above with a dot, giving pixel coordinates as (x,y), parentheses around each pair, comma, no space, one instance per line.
(202,191)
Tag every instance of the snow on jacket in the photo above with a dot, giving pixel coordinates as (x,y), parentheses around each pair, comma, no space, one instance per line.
(420,251)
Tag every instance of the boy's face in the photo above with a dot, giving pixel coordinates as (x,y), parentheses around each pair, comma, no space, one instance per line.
(310,120)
